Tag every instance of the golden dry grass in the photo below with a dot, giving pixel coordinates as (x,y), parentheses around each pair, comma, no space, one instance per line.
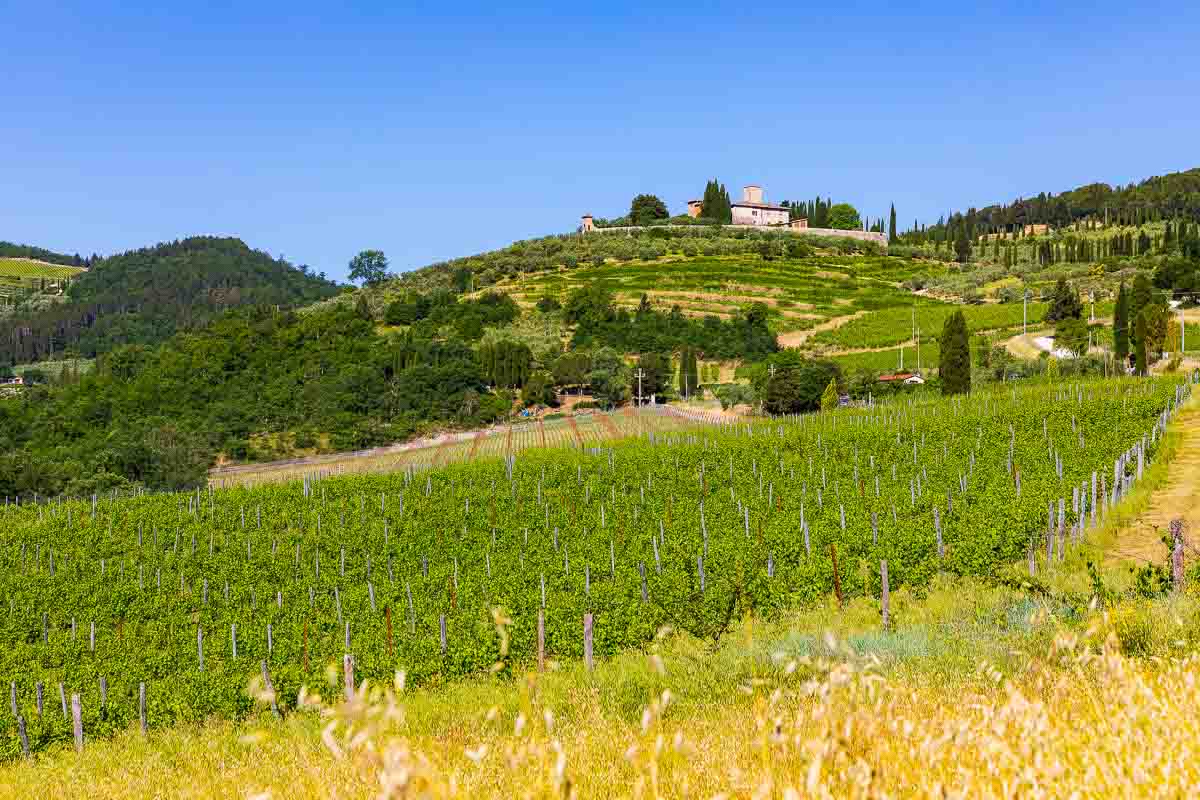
(1080,720)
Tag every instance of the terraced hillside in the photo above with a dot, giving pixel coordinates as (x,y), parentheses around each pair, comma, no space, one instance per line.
(18,274)
(802,294)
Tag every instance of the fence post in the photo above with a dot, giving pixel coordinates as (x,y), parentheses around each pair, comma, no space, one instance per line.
(837,581)
(1177,554)
(142,704)
(886,597)
(541,639)
(23,734)
(77,717)
(348,676)
(270,688)
(587,640)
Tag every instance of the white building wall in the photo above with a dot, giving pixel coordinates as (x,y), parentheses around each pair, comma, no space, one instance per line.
(743,215)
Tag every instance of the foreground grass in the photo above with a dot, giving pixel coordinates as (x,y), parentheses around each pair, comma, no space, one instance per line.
(978,691)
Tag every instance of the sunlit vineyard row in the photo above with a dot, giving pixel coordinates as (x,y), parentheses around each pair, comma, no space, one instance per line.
(191,594)
(579,430)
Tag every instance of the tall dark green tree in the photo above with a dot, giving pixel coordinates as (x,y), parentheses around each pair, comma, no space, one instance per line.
(689,371)
(892,225)
(954,355)
(1141,331)
(1065,304)
(1121,326)
(506,364)
(717,205)
(962,245)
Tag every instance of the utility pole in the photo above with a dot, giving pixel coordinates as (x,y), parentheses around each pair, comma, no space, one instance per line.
(640,374)
(1025,313)
(1092,297)
(918,351)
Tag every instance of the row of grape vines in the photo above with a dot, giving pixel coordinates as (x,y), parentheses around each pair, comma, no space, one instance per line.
(185,596)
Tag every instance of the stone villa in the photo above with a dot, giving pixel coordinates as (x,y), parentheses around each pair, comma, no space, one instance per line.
(753,210)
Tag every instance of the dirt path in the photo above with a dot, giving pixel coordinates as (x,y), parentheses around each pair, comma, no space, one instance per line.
(1179,496)
(797,338)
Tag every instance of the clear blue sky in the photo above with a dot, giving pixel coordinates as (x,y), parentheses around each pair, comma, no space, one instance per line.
(440,130)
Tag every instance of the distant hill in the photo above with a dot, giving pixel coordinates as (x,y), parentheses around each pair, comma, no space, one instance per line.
(144,296)
(1176,194)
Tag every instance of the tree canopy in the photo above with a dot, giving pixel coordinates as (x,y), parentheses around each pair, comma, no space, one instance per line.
(844,216)
(647,209)
(369,267)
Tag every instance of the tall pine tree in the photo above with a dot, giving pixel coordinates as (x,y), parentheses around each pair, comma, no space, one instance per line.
(954,356)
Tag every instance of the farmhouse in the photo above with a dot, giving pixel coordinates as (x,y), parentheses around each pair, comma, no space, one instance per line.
(751,210)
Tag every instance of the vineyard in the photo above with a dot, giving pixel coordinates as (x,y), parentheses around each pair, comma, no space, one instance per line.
(579,429)
(889,327)
(161,608)
(24,274)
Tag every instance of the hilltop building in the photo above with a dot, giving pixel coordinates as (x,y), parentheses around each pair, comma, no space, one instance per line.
(751,210)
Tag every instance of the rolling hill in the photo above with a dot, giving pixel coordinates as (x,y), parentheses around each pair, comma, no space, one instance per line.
(146,295)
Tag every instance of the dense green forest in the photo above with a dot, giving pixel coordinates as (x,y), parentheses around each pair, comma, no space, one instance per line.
(144,296)
(158,416)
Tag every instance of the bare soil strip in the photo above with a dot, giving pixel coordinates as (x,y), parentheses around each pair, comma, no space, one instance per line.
(1178,497)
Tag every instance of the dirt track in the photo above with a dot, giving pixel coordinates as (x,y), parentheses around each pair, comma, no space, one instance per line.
(1179,496)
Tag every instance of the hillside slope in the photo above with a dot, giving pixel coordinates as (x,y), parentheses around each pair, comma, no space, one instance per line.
(144,296)
(1176,194)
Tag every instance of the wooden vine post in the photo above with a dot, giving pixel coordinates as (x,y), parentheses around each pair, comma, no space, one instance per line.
(837,581)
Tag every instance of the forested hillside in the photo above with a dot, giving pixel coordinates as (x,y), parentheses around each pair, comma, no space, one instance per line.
(1164,197)
(159,416)
(144,296)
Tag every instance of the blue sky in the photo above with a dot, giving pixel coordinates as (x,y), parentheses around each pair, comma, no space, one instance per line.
(433,131)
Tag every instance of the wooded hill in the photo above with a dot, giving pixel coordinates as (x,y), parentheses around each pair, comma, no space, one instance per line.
(144,296)
(1164,197)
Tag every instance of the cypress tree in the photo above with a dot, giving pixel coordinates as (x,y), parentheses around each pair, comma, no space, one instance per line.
(954,356)
(1121,326)
(829,398)
(892,225)
(1141,331)
(689,373)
